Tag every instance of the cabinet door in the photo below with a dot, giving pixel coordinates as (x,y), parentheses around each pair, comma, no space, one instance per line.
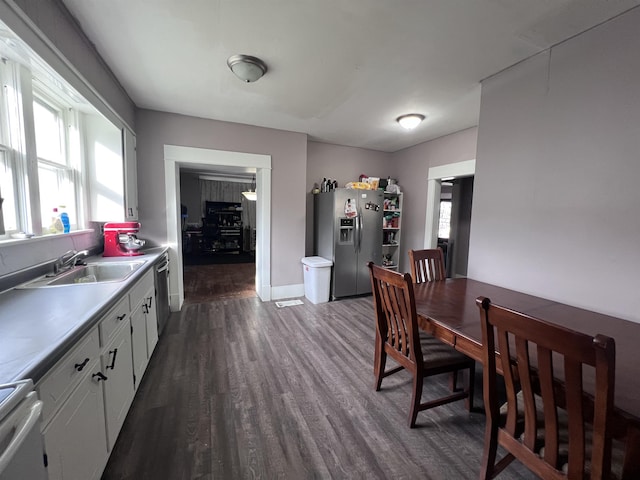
(131,175)
(105,169)
(76,440)
(139,343)
(117,365)
(151,318)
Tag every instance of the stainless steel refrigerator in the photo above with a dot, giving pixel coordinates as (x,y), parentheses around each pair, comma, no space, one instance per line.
(348,231)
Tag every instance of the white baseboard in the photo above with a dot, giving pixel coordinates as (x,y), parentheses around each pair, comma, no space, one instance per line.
(263,291)
(287,291)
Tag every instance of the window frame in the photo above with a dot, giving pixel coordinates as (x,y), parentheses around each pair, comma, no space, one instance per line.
(67,119)
(20,89)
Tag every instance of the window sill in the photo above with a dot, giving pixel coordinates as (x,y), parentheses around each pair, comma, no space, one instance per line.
(40,238)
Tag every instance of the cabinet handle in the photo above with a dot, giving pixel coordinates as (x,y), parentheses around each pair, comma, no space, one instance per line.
(113,359)
(99,376)
(121,317)
(149,303)
(80,366)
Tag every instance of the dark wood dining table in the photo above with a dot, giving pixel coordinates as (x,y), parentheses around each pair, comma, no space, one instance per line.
(447,309)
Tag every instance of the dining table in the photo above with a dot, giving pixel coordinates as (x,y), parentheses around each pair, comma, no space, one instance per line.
(447,309)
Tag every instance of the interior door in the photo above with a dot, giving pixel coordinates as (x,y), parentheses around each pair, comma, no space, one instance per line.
(370,209)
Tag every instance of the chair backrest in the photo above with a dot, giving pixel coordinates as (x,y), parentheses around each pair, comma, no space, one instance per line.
(543,366)
(396,318)
(427,265)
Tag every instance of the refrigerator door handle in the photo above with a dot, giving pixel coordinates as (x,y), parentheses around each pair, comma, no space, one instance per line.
(360,228)
(356,233)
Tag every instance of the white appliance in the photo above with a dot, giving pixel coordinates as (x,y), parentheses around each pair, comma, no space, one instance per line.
(21,444)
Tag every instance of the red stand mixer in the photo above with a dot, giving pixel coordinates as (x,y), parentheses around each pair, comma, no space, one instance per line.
(120,239)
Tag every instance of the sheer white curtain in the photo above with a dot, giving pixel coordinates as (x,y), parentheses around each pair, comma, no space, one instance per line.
(216,191)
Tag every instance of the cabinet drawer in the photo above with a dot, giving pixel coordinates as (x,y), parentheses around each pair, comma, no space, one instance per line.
(111,322)
(138,292)
(65,375)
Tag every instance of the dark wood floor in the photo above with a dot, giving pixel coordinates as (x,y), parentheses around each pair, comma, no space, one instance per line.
(240,389)
(206,283)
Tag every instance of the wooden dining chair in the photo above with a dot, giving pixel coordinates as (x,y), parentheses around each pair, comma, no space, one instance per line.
(427,265)
(546,422)
(398,336)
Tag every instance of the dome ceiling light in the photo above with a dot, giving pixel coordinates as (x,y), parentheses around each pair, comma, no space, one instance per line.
(247,68)
(410,120)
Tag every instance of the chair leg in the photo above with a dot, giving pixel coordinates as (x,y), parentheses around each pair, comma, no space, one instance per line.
(415,399)
(453,381)
(471,387)
(379,361)
(490,450)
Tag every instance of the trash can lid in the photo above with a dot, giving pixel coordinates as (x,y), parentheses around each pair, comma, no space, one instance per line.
(317,262)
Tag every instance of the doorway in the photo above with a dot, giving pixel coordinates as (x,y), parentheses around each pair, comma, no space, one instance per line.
(218,233)
(176,157)
(455,181)
(456,196)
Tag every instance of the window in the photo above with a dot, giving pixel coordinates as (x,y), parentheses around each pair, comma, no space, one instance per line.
(444,224)
(56,175)
(9,219)
(56,149)
(43,137)
(10,188)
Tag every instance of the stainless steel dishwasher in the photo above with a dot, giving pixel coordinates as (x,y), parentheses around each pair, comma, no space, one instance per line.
(162,292)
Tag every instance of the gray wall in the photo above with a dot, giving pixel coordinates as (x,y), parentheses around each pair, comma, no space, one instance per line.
(344,164)
(411,167)
(190,196)
(288,152)
(556,199)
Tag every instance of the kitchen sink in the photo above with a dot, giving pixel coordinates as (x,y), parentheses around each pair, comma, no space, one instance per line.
(90,273)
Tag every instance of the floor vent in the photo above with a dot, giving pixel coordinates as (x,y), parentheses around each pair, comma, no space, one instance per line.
(289,303)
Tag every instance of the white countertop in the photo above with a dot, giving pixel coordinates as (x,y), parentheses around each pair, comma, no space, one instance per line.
(39,325)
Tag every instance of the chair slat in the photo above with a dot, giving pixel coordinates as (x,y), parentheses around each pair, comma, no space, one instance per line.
(573,386)
(427,265)
(551,430)
(529,407)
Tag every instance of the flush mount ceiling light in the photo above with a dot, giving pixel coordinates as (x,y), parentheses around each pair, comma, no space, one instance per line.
(247,68)
(251,194)
(410,121)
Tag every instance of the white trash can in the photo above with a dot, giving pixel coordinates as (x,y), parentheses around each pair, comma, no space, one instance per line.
(317,278)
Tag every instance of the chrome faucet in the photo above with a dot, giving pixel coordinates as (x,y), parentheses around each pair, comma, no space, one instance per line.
(68,260)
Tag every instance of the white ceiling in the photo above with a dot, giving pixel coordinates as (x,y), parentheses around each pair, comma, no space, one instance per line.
(339,70)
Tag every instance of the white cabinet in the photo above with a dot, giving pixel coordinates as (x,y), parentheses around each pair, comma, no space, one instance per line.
(130,175)
(88,393)
(391,229)
(112,171)
(117,366)
(144,323)
(75,439)
(56,386)
(151,321)
(138,344)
